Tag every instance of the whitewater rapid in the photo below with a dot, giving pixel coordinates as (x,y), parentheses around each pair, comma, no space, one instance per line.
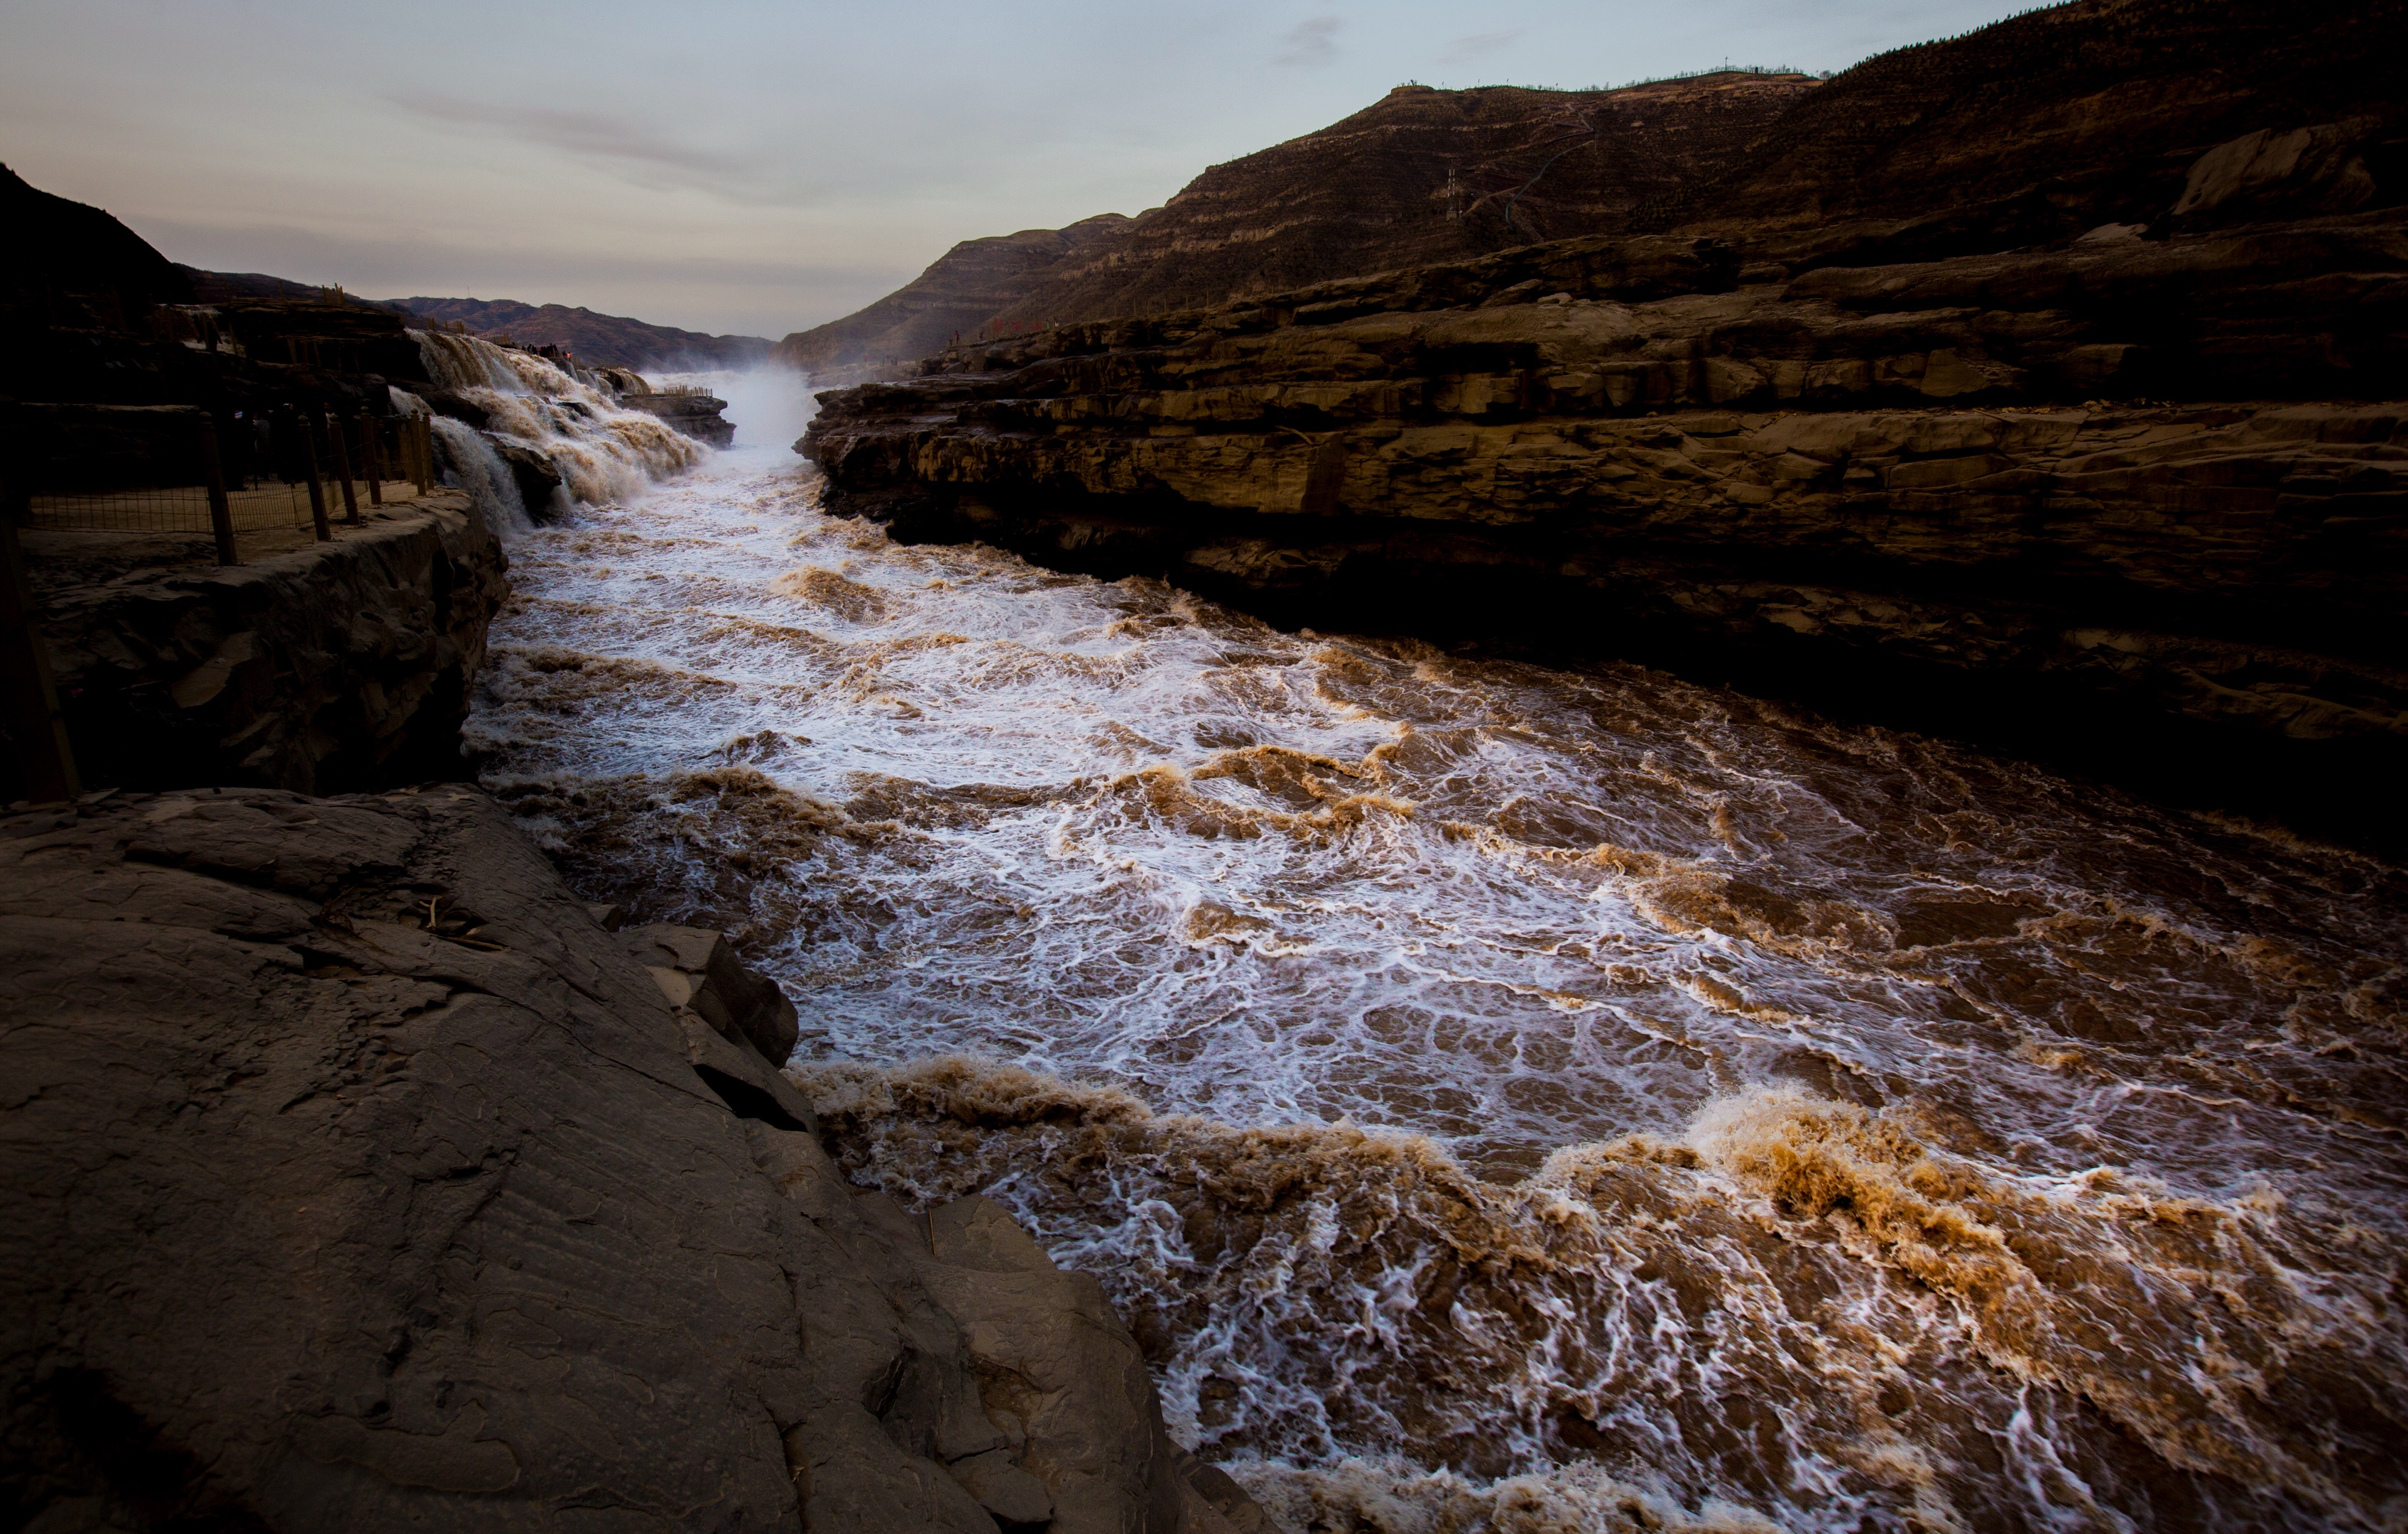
(599,451)
(1507,1096)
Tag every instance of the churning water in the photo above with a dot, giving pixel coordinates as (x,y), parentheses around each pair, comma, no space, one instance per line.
(599,451)
(1512,1098)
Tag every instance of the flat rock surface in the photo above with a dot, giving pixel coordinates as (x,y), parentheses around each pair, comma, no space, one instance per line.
(356,1178)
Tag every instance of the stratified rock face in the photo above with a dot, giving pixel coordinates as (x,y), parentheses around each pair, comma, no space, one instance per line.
(322,335)
(339,664)
(1422,176)
(2031,131)
(2051,124)
(1893,489)
(698,416)
(598,341)
(965,287)
(356,1178)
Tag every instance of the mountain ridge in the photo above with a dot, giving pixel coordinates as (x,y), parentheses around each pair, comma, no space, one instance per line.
(959,291)
(604,340)
(1423,175)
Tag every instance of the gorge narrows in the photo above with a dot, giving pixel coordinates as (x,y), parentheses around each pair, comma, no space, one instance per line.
(1494,1091)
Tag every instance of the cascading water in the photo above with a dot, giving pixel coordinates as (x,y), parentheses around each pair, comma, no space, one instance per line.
(469,463)
(478,469)
(1504,1097)
(601,451)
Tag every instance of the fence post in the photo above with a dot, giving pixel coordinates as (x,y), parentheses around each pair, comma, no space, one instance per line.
(317,486)
(371,457)
(343,468)
(221,514)
(29,702)
(427,454)
(45,759)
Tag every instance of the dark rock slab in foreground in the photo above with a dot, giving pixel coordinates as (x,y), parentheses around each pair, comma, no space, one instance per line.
(355,1177)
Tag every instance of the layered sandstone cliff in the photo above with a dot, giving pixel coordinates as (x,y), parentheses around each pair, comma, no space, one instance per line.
(2033,130)
(358,1178)
(2051,124)
(1421,176)
(1904,489)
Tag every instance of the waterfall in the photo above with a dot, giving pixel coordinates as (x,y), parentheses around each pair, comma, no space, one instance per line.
(602,452)
(470,464)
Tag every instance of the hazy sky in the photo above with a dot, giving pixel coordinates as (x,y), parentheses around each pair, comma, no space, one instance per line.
(753,167)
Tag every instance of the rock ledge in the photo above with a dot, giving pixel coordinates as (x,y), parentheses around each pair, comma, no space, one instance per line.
(356,1177)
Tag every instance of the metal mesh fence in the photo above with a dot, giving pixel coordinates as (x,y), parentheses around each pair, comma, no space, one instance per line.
(144,471)
(178,508)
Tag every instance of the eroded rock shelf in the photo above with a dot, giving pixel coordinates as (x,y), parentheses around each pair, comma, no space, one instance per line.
(2130,503)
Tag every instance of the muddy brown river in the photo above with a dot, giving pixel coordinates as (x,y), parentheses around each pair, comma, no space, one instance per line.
(1510,1097)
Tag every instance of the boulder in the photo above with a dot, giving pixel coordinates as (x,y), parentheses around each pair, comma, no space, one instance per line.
(357,1178)
(537,480)
(2269,174)
(695,967)
(697,415)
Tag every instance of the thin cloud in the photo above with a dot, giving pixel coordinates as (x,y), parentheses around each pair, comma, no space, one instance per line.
(1310,45)
(1464,49)
(589,133)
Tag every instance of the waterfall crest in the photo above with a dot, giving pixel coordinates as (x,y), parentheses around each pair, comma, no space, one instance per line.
(602,452)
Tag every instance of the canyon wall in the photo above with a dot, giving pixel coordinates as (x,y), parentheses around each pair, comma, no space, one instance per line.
(2036,386)
(2033,130)
(2051,124)
(961,290)
(1956,494)
(1422,174)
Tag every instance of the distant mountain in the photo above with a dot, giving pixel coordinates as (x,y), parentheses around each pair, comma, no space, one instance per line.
(601,340)
(1421,176)
(973,280)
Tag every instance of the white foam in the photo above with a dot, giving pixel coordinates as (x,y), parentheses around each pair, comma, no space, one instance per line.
(476,468)
(1108,832)
(602,452)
